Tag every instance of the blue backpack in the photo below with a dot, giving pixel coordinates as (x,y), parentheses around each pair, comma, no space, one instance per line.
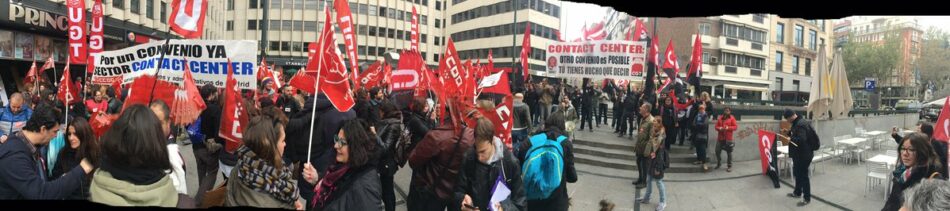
(543,167)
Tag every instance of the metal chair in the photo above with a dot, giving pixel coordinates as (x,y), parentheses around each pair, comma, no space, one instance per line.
(880,173)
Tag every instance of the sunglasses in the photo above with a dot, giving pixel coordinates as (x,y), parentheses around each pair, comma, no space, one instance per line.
(340,140)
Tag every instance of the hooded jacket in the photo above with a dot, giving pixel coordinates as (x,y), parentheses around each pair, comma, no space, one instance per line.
(111,191)
(13,122)
(436,160)
(477,179)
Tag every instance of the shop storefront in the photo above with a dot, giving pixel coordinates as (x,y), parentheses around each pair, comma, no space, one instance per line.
(36,30)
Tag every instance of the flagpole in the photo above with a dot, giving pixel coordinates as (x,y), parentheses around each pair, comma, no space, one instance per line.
(161,57)
(316,88)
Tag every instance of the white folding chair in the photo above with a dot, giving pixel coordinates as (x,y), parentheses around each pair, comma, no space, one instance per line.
(877,172)
(891,152)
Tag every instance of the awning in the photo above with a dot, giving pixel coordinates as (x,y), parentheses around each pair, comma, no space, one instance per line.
(747,88)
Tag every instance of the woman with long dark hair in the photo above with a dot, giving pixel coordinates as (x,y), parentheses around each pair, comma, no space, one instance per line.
(81,143)
(918,161)
(352,182)
(261,176)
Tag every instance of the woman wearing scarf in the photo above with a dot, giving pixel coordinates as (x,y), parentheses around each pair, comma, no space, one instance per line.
(352,183)
(263,179)
(81,144)
(918,161)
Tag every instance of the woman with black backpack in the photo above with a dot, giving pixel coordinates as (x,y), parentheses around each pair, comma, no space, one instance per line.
(538,191)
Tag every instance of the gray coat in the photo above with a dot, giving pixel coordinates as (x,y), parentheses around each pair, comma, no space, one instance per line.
(362,192)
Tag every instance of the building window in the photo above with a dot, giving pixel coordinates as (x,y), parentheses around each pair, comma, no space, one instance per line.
(438,5)
(229,25)
(422,39)
(361,50)
(274,46)
(230,5)
(758,18)
(796,85)
(371,31)
(134,6)
(438,24)
(164,12)
(251,24)
(118,4)
(808,67)
(799,35)
(371,51)
(435,57)
(399,34)
(704,28)
(755,72)
(778,83)
(310,26)
(778,61)
(436,41)
(705,57)
(285,46)
(795,65)
(780,33)
(391,33)
(253,4)
(813,39)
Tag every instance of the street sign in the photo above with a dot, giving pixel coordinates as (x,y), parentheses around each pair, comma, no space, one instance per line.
(870,84)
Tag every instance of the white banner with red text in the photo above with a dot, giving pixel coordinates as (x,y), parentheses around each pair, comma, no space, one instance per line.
(207,59)
(614,59)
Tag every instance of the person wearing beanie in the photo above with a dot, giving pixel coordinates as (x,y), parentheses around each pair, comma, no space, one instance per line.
(804,142)
(938,146)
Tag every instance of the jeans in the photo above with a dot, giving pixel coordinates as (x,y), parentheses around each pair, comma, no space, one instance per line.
(701,146)
(618,115)
(632,123)
(545,111)
(535,114)
(586,118)
(388,193)
(602,111)
(800,171)
(724,146)
(642,167)
(659,185)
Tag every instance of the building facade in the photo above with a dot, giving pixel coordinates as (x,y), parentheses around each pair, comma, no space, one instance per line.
(903,82)
(478,27)
(794,44)
(34,30)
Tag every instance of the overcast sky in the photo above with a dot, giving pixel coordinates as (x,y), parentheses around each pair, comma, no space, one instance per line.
(580,13)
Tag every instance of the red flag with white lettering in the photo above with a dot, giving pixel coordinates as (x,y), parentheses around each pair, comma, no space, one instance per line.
(334,79)
(695,72)
(188,17)
(371,76)
(450,70)
(766,140)
(303,81)
(671,62)
(344,20)
(96,36)
(233,118)
(76,13)
(143,89)
(414,38)
(188,103)
(525,52)
(68,92)
(501,118)
(942,127)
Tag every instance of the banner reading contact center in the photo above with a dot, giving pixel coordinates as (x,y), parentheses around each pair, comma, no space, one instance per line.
(207,61)
(614,59)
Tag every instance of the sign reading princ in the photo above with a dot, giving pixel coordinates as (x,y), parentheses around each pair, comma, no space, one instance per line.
(615,59)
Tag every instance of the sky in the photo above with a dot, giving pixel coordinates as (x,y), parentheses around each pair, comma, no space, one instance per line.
(581,13)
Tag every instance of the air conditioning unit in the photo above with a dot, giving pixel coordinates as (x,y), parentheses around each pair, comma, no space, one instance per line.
(714,61)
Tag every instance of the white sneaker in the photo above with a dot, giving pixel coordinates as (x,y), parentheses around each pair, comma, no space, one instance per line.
(661,207)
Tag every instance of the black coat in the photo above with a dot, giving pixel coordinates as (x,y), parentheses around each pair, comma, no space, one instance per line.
(327,127)
(67,160)
(298,134)
(669,117)
(288,105)
(896,198)
(418,125)
(477,180)
(21,176)
(803,134)
(389,131)
(359,189)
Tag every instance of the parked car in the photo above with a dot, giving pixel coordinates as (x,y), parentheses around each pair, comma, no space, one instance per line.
(907,105)
(930,112)
(887,108)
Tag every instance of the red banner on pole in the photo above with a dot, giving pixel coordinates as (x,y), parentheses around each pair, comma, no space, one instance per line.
(76,11)
(414,39)
(95,34)
(188,17)
(766,140)
(344,20)
(233,117)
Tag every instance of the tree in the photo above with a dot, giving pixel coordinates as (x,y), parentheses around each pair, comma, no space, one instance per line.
(934,60)
(872,59)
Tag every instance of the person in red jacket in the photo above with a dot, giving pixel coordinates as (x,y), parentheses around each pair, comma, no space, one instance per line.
(725,125)
(97,104)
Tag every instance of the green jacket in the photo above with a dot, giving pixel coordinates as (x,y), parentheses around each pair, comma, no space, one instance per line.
(108,190)
(645,137)
(240,194)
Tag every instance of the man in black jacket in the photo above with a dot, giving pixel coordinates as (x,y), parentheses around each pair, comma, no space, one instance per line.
(802,150)
(23,175)
(206,153)
(587,107)
(489,161)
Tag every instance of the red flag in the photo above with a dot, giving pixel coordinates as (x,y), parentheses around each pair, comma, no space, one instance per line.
(501,118)
(67,92)
(101,122)
(96,36)
(408,80)
(143,87)
(491,64)
(372,75)
(387,74)
(265,75)
(345,21)
(640,33)
(188,17)
(117,86)
(558,32)
(496,83)
(942,126)
(334,80)
(233,118)
(766,139)
(449,70)
(696,62)
(654,55)
(596,32)
(50,64)
(525,51)
(670,61)
(76,13)
(31,75)
(414,39)
(303,81)
(188,103)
